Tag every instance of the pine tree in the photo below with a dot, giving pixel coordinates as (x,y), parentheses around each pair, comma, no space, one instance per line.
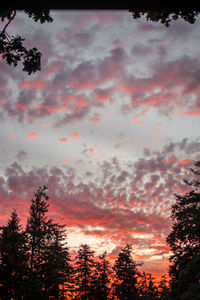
(13,259)
(101,278)
(184,241)
(38,231)
(84,263)
(146,287)
(163,289)
(56,264)
(126,275)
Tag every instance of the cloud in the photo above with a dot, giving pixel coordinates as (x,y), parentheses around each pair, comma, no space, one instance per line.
(160,91)
(184,162)
(129,200)
(63,140)
(75,135)
(89,74)
(21,155)
(32,135)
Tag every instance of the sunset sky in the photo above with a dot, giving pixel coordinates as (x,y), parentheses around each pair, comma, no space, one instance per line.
(110,125)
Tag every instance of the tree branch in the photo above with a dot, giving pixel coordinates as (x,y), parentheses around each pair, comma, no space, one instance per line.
(14,14)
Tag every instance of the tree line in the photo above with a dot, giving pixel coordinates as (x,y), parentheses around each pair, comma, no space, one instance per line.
(35,262)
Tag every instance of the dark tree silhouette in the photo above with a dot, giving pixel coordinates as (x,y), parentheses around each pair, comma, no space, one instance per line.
(48,256)
(12,48)
(101,278)
(126,275)
(163,289)
(84,269)
(13,260)
(146,287)
(184,241)
(165,15)
(56,263)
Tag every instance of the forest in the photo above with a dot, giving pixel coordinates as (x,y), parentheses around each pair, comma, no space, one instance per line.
(35,262)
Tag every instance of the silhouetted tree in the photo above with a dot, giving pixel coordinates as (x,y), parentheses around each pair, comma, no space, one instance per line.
(184,241)
(146,288)
(12,48)
(166,15)
(84,268)
(126,275)
(13,260)
(56,263)
(39,230)
(163,289)
(101,278)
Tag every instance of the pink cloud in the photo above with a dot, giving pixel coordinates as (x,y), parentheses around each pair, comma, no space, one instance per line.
(3,101)
(104,95)
(96,119)
(34,85)
(135,118)
(13,136)
(89,75)
(63,140)
(160,91)
(184,162)
(75,135)
(51,109)
(66,161)
(170,160)
(91,150)
(32,135)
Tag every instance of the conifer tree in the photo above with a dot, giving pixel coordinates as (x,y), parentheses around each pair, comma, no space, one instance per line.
(56,264)
(146,287)
(184,241)
(48,256)
(84,269)
(13,259)
(126,275)
(101,278)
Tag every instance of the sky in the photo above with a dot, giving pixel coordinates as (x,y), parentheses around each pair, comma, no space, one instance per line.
(110,125)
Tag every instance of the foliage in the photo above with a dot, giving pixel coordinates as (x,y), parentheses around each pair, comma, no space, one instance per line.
(126,272)
(35,263)
(13,259)
(83,271)
(184,241)
(165,16)
(49,257)
(101,278)
(12,48)
(146,287)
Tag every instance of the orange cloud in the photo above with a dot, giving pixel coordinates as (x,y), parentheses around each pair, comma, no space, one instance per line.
(32,135)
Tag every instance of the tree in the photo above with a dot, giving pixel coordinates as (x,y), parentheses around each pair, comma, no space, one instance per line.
(146,287)
(84,262)
(39,229)
(56,268)
(13,259)
(163,289)
(101,278)
(126,275)
(165,16)
(184,241)
(12,48)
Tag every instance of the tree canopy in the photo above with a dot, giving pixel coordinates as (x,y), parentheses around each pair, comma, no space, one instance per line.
(12,48)
(166,15)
